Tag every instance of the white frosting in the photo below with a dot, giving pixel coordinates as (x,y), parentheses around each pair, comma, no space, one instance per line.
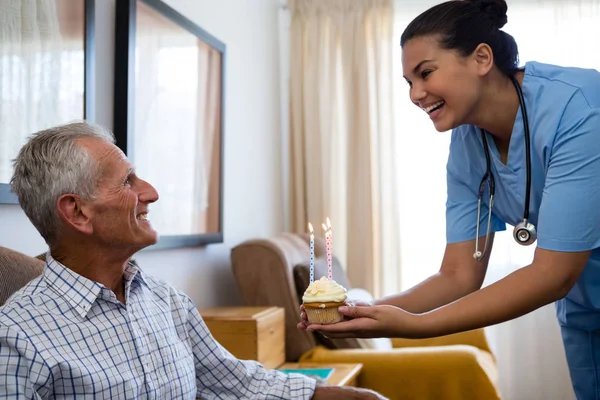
(324,290)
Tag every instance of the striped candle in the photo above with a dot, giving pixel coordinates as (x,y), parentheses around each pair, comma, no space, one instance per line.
(328,242)
(312,253)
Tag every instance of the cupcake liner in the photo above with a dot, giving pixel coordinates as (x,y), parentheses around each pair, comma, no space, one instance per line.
(323,316)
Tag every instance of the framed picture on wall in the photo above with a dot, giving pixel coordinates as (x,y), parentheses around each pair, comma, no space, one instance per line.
(168,117)
(46,72)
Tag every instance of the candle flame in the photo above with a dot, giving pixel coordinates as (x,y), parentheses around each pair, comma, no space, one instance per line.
(328,223)
(324,227)
(310,228)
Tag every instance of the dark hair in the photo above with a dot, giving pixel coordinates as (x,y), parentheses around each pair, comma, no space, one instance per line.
(464,24)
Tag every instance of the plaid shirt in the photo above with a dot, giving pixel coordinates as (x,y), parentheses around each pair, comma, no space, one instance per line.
(63,335)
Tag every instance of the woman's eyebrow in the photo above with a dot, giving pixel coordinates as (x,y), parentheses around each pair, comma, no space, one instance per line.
(419,65)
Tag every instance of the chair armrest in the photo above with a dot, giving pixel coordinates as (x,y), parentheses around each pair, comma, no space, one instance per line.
(424,373)
(474,338)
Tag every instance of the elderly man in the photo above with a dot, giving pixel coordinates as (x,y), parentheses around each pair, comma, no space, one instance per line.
(94,325)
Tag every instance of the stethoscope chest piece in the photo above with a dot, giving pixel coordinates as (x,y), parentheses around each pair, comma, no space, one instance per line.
(525,233)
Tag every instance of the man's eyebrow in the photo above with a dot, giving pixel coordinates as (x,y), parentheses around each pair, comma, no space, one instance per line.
(419,65)
(130,170)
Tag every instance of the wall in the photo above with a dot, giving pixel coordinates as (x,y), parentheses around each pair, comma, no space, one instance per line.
(253,204)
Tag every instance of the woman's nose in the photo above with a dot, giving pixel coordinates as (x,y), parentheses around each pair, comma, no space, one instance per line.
(417,93)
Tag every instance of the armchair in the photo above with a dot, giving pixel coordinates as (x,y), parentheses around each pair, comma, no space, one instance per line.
(16,270)
(274,272)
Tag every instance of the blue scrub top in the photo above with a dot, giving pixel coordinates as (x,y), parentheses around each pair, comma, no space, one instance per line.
(563,107)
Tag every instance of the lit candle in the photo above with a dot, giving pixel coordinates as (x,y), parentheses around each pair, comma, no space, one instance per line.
(312,253)
(328,240)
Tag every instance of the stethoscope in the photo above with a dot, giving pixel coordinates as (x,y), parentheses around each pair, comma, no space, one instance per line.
(525,232)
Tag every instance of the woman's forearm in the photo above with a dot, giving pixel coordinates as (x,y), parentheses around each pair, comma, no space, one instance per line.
(434,292)
(517,294)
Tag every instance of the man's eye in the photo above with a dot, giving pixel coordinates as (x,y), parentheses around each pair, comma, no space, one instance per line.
(128,181)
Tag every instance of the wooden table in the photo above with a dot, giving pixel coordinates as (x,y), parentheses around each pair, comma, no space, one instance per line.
(343,374)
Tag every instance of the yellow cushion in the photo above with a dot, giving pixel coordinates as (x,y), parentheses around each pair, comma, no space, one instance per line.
(421,373)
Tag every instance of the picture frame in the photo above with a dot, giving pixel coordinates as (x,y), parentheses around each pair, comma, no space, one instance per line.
(169,102)
(47,77)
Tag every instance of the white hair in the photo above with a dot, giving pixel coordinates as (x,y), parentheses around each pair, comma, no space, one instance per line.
(51,164)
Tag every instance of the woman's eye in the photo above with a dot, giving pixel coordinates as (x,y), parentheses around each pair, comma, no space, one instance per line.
(425,73)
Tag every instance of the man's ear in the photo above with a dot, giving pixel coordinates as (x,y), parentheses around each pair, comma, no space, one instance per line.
(484,59)
(72,212)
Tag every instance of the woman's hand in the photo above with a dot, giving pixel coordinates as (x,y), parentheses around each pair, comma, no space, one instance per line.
(302,325)
(350,303)
(374,322)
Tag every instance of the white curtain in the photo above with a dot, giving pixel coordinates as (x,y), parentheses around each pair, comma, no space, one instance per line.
(530,355)
(341,133)
(41,71)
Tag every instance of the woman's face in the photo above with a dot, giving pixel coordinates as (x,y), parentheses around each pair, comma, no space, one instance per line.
(442,83)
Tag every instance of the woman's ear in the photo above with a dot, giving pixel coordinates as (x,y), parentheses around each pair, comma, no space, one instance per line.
(71,212)
(484,59)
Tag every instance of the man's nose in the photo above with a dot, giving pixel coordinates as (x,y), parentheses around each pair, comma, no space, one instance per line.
(148,193)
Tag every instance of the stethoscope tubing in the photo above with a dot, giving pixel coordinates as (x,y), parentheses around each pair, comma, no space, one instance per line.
(488,178)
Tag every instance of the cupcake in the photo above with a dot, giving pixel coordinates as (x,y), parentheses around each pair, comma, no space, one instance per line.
(321,301)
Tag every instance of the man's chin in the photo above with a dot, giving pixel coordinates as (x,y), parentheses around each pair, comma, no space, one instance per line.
(153,239)
(148,239)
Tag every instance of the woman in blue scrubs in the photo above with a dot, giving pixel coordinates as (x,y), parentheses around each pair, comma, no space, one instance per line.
(532,134)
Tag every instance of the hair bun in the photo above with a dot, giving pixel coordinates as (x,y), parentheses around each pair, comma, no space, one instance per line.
(494,9)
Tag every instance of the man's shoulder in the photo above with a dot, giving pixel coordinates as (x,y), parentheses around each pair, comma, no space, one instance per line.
(26,305)
(27,294)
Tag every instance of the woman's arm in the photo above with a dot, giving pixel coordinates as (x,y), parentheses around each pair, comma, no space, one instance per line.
(548,278)
(459,275)
(568,229)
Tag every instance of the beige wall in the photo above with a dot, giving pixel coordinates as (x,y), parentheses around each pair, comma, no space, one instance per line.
(252,200)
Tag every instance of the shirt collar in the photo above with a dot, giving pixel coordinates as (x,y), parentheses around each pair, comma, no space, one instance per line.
(80,292)
(134,272)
